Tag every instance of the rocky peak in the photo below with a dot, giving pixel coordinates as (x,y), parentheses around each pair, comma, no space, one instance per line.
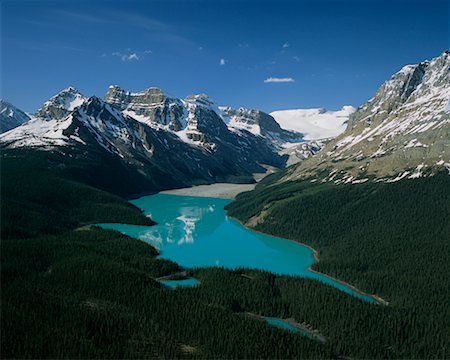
(118,96)
(408,84)
(151,106)
(200,99)
(61,104)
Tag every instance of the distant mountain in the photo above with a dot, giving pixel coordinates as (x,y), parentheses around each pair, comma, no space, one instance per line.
(402,132)
(169,142)
(259,123)
(314,124)
(10,116)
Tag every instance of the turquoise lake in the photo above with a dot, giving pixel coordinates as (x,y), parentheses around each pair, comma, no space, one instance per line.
(195,232)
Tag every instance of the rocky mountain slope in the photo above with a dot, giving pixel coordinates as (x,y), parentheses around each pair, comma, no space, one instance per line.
(402,132)
(10,116)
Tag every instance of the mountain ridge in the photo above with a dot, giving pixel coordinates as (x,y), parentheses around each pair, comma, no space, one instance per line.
(160,157)
(402,131)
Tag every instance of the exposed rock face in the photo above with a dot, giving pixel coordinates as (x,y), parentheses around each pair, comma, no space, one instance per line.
(10,116)
(259,123)
(151,106)
(403,131)
(302,151)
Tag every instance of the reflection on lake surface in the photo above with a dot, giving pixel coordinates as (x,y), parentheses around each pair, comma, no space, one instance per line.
(195,232)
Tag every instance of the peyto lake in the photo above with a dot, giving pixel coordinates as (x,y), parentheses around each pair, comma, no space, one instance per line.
(196,232)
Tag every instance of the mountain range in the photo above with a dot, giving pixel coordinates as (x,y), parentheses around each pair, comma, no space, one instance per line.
(402,131)
(163,141)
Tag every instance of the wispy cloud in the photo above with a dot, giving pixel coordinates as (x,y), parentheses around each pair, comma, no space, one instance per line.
(285,46)
(279,80)
(296,58)
(130,55)
(126,57)
(222,62)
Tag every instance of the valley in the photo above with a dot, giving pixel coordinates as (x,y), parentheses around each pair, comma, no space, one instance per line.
(194,232)
(212,259)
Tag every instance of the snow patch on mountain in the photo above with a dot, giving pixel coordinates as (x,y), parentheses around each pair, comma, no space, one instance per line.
(38,132)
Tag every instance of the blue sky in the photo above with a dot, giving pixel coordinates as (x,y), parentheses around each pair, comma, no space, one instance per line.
(326,53)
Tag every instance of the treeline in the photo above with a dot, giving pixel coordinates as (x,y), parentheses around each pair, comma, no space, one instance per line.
(389,239)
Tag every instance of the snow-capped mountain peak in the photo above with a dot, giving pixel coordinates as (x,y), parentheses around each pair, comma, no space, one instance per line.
(10,116)
(60,105)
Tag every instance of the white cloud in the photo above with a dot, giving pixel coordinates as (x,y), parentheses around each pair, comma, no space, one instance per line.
(131,55)
(279,80)
(222,62)
(285,45)
(296,58)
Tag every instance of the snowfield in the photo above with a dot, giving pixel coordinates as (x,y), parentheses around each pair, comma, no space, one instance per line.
(314,123)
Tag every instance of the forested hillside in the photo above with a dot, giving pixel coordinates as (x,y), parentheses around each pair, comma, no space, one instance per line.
(389,239)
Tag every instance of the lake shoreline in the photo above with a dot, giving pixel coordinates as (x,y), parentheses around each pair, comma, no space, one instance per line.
(223,190)
(301,328)
(218,190)
(379,300)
